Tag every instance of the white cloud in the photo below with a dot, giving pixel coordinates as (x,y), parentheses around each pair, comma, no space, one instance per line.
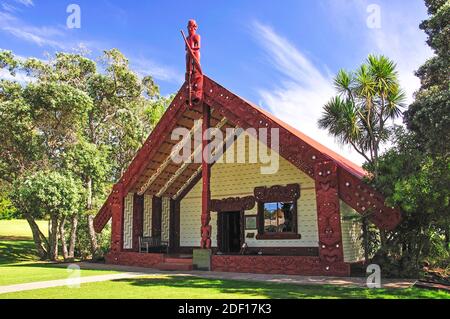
(27,3)
(9,7)
(29,36)
(20,77)
(299,99)
(145,66)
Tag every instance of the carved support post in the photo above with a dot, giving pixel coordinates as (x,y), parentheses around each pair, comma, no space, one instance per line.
(206,175)
(328,214)
(117,218)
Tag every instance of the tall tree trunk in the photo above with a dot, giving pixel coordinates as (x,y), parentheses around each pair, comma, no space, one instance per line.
(93,237)
(73,236)
(40,241)
(92,234)
(53,238)
(62,236)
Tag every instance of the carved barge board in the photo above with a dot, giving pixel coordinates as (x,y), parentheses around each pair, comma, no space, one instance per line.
(302,152)
(299,150)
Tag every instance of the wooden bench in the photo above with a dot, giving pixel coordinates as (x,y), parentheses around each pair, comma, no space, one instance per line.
(148,243)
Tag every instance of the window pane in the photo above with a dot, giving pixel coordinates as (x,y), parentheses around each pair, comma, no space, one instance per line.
(278,217)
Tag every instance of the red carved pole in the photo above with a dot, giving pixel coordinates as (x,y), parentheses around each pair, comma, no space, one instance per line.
(328,215)
(206,174)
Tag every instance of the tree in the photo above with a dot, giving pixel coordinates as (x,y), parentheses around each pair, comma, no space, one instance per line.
(429,115)
(420,186)
(73,118)
(367,100)
(359,116)
(47,193)
(415,173)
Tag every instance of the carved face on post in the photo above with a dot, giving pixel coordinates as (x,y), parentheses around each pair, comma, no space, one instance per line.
(192,27)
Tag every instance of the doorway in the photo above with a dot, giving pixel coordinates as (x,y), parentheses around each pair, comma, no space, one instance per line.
(230,236)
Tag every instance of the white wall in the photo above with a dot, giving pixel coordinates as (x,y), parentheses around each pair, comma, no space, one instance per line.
(238,180)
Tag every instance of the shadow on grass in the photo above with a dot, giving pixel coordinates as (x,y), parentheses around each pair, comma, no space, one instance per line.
(280,290)
(13,251)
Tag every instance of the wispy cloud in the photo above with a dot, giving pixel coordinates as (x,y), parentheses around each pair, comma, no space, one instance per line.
(51,36)
(304,88)
(56,37)
(27,3)
(299,98)
(146,66)
(9,7)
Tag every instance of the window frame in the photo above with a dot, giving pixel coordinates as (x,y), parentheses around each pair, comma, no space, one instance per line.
(264,195)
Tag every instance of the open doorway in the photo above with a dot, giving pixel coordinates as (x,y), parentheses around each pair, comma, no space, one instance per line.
(229,226)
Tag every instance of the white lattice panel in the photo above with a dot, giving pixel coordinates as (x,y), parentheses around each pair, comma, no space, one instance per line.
(128,222)
(165,218)
(148,201)
(351,235)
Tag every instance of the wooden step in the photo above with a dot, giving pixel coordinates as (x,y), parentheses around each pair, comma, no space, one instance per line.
(174,266)
(172,260)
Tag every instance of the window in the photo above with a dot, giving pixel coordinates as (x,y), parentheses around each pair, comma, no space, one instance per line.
(277,212)
(278,217)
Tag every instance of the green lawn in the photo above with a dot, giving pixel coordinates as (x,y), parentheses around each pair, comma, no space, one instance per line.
(18,260)
(19,229)
(173,287)
(18,264)
(12,274)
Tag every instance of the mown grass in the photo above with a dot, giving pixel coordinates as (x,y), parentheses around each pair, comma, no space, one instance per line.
(19,262)
(18,229)
(175,287)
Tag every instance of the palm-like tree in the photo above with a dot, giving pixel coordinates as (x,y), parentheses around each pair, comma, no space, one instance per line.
(359,115)
(367,100)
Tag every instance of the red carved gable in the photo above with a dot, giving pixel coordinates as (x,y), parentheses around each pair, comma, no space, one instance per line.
(299,149)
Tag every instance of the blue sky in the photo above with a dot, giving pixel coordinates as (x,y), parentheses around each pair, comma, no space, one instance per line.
(281,55)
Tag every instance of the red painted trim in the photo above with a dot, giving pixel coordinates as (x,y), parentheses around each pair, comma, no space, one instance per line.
(206,175)
(297,148)
(328,213)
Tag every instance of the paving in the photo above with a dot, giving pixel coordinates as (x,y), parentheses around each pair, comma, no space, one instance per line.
(134,272)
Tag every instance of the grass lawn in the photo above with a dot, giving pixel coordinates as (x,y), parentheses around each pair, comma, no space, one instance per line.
(18,260)
(19,264)
(173,287)
(19,229)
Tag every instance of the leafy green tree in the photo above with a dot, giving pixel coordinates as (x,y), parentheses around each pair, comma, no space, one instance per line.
(420,186)
(52,194)
(415,173)
(429,115)
(74,118)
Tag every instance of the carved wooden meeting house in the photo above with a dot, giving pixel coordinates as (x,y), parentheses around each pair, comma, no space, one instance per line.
(230,216)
